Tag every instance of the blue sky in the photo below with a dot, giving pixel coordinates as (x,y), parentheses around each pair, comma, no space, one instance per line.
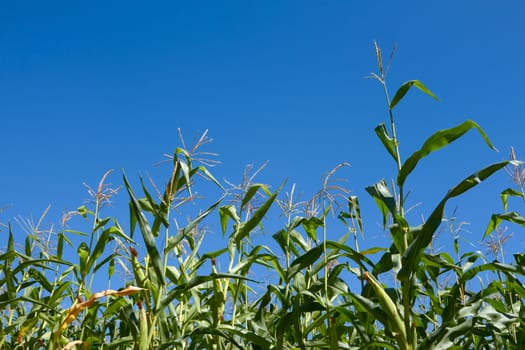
(87,87)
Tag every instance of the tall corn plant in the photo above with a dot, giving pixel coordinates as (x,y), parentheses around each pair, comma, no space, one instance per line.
(182,306)
(421,313)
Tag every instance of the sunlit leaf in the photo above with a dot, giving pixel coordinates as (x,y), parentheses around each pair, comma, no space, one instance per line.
(437,141)
(228,212)
(496,219)
(510,192)
(310,225)
(403,89)
(252,190)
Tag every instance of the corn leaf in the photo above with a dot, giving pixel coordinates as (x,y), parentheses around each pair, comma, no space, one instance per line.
(424,234)
(403,89)
(437,141)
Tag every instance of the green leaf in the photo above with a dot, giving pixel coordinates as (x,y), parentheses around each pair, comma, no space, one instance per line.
(10,241)
(147,235)
(274,261)
(493,266)
(148,204)
(111,268)
(437,141)
(246,227)
(386,140)
(194,282)
(282,237)
(252,191)
(225,212)
(209,175)
(383,198)
(42,280)
(520,259)
(60,245)
(496,219)
(110,258)
(355,211)
(424,234)
(83,211)
(401,92)
(303,261)
(83,254)
(400,232)
(510,192)
(346,313)
(175,183)
(310,225)
(252,337)
(358,257)
(364,304)
(443,338)
(185,167)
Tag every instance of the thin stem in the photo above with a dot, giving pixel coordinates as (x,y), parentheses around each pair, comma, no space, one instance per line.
(396,145)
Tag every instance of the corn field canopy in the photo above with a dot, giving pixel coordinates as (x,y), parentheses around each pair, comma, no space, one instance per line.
(274,278)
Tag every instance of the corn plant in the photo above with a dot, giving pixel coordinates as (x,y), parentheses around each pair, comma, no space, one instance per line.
(420,313)
(291,288)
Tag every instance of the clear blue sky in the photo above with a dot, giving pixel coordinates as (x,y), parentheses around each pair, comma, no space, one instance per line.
(87,87)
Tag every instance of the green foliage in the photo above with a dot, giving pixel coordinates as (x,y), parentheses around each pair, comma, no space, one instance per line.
(318,293)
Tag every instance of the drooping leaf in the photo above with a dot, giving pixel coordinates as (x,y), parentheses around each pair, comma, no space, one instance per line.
(299,239)
(209,175)
(228,211)
(493,266)
(437,141)
(496,219)
(310,225)
(383,198)
(520,259)
(76,308)
(386,140)
(252,191)
(349,252)
(510,192)
(403,89)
